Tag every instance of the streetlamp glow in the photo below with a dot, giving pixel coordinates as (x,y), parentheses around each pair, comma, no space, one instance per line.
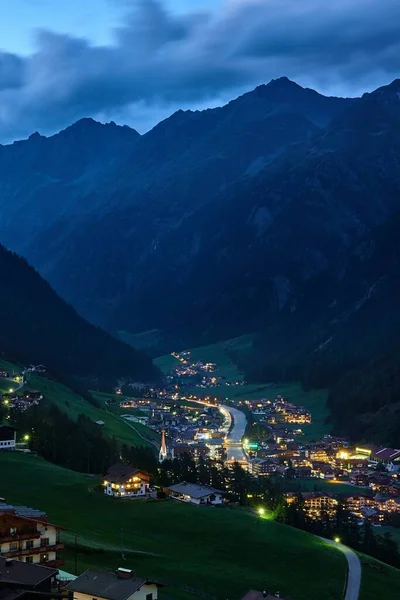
(261,511)
(26,437)
(337,539)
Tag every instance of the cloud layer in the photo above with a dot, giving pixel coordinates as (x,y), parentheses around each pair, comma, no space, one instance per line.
(160,60)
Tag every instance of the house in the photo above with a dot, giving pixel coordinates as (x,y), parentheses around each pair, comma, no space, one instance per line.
(119,585)
(26,537)
(261,467)
(196,494)
(390,457)
(122,481)
(26,581)
(8,437)
(256,595)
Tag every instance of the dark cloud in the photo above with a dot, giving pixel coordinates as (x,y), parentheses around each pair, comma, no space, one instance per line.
(160,59)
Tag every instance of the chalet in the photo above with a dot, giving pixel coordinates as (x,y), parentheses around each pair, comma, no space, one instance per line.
(119,585)
(30,539)
(26,581)
(122,481)
(390,457)
(196,494)
(8,437)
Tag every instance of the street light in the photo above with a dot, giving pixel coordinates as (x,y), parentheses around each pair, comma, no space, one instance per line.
(26,437)
(261,511)
(337,539)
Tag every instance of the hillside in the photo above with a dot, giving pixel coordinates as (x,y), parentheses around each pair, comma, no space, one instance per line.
(37,326)
(179,544)
(345,334)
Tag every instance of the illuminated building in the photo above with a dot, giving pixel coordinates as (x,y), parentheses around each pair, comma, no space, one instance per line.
(125,482)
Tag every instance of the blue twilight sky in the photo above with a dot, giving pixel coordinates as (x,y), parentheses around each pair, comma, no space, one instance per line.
(136,61)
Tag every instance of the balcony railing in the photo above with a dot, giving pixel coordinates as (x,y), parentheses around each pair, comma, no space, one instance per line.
(33,550)
(53,563)
(17,537)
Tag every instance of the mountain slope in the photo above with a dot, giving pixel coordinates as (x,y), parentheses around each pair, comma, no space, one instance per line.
(235,264)
(115,212)
(37,326)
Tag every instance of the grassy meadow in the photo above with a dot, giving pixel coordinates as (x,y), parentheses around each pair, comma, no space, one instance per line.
(219,552)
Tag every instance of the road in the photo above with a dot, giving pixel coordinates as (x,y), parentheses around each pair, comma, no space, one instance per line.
(234,438)
(354,575)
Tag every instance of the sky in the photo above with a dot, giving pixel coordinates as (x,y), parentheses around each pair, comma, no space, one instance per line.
(137,61)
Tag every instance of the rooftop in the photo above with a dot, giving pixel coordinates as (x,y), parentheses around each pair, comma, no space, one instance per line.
(106,584)
(30,574)
(193,489)
(119,473)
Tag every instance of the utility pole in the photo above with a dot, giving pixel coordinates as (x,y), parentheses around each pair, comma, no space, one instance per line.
(76,555)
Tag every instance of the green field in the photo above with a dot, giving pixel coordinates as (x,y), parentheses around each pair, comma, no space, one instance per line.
(222,353)
(220,552)
(379,581)
(6,385)
(73,405)
(311,485)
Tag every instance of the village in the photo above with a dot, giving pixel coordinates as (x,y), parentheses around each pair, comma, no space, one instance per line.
(262,438)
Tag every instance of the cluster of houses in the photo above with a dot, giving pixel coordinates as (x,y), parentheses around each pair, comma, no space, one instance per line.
(22,401)
(195,430)
(277,411)
(375,509)
(24,581)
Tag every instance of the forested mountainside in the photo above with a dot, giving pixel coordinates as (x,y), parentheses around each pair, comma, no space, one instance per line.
(37,326)
(345,335)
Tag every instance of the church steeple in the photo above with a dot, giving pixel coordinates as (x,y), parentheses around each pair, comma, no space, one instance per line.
(163,450)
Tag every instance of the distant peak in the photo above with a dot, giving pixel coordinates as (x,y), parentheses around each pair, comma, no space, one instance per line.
(282,82)
(35,136)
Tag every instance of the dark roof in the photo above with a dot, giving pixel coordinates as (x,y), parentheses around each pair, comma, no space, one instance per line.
(194,490)
(256,595)
(12,594)
(22,511)
(106,585)
(387,453)
(15,571)
(120,473)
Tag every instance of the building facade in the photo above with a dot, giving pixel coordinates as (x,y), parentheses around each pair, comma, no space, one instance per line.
(122,481)
(119,585)
(29,540)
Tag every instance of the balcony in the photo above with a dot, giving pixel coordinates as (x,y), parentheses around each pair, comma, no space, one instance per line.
(35,550)
(20,536)
(53,563)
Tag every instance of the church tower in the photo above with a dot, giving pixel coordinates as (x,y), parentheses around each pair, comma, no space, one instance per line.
(163,454)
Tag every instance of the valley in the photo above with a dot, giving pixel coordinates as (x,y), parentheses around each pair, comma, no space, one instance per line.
(200,371)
